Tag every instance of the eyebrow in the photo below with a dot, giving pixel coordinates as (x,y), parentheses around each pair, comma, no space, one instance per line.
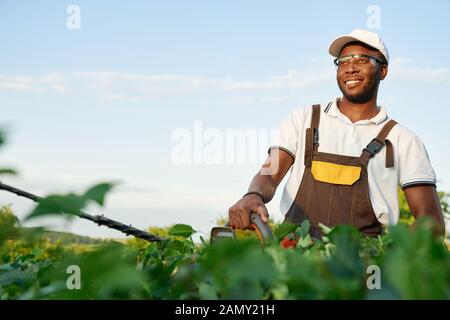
(373,50)
(381,59)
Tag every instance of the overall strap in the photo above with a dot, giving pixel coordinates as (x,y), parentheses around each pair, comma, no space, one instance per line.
(312,135)
(315,118)
(377,143)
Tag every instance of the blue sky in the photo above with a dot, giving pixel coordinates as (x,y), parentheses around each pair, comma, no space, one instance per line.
(101,102)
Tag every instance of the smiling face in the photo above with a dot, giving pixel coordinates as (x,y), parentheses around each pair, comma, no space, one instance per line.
(359,83)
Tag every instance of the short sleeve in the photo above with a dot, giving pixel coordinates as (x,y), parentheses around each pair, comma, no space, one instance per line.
(287,137)
(414,164)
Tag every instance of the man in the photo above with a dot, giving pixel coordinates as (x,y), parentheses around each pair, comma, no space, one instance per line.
(347,157)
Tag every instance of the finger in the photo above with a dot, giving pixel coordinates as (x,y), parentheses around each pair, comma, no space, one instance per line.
(245,218)
(241,219)
(232,212)
(262,212)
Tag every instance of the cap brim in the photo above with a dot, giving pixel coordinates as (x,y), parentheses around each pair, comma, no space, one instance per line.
(337,45)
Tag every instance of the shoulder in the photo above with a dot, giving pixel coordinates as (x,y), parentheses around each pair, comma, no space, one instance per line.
(302,115)
(414,164)
(402,134)
(409,146)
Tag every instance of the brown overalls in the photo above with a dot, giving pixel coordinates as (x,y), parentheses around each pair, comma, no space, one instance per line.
(334,188)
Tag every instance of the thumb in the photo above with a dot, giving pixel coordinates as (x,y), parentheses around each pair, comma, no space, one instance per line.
(262,212)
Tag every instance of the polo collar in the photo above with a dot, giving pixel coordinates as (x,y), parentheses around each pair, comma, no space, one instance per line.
(333,110)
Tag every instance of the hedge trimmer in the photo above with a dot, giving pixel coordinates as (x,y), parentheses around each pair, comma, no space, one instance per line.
(98,219)
(263,231)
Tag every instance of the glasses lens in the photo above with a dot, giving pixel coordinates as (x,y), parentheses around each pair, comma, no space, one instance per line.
(356,59)
(342,62)
(362,60)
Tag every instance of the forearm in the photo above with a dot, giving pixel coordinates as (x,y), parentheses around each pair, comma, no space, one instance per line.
(271,174)
(265,185)
(436,215)
(424,202)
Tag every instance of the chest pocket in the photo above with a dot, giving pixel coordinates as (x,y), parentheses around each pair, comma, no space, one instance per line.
(335,173)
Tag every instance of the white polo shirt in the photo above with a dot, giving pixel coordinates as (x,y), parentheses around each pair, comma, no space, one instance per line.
(338,135)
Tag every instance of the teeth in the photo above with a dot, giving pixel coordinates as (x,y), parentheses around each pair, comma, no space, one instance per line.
(352,81)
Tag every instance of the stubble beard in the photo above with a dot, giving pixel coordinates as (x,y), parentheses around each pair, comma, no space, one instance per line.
(364,96)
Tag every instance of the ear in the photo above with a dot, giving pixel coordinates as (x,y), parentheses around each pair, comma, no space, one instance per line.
(383,71)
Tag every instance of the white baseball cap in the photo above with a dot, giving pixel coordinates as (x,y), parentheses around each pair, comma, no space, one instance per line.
(370,38)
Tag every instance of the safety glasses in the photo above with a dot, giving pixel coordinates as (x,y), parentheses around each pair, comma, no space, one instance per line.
(360,60)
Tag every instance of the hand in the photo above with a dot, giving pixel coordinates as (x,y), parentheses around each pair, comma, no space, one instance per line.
(239,213)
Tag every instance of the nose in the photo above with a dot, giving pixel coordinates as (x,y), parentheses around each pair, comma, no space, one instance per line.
(351,68)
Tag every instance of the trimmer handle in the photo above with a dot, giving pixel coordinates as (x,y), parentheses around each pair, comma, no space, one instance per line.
(263,231)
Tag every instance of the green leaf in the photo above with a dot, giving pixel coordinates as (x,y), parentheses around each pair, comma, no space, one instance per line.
(70,203)
(57,204)
(303,231)
(2,137)
(180,246)
(181,230)
(284,229)
(324,228)
(203,241)
(14,276)
(280,291)
(97,193)
(8,171)
(305,241)
(207,291)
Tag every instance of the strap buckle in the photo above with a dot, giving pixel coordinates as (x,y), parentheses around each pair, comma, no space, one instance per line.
(374,146)
(316,136)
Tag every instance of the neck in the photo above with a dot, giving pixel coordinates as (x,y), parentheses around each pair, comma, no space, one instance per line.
(358,111)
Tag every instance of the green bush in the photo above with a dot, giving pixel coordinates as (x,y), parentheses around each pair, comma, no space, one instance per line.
(414,264)
(36,263)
